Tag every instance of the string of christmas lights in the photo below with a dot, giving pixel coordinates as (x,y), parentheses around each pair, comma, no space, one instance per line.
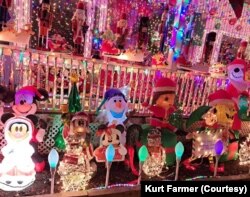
(244,153)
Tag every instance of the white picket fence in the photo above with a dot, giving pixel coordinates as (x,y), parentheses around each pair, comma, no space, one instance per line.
(52,71)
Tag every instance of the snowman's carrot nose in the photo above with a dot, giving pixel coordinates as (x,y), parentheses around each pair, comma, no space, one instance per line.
(118,104)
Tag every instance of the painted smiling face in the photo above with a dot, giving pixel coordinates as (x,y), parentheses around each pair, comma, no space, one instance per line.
(112,137)
(117,106)
(24,103)
(236,72)
(210,117)
(25,99)
(225,114)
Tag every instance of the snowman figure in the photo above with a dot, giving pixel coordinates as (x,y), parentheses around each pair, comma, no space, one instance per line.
(17,170)
(116,108)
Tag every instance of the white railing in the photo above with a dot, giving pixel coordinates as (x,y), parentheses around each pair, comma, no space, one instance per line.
(52,71)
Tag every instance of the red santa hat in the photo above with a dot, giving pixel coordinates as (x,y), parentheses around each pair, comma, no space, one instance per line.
(80,5)
(81,116)
(164,85)
(220,96)
(243,44)
(154,134)
(46,1)
(30,90)
(237,62)
(124,16)
(181,60)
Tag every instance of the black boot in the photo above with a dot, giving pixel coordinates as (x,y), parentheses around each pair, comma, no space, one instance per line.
(40,41)
(44,42)
(79,51)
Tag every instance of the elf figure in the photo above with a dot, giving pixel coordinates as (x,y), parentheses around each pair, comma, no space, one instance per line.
(79,26)
(220,120)
(45,18)
(122,31)
(4,14)
(162,108)
(157,157)
(17,170)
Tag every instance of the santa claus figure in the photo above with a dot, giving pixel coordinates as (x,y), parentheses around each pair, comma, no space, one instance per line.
(79,26)
(4,14)
(45,23)
(122,31)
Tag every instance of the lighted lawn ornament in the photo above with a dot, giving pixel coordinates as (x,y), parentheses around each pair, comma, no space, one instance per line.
(17,170)
(179,150)
(244,153)
(162,108)
(76,168)
(143,155)
(109,154)
(217,124)
(110,135)
(218,147)
(53,159)
(25,105)
(157,157)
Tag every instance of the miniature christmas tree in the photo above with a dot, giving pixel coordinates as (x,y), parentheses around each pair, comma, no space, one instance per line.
(74,97)
(244,152)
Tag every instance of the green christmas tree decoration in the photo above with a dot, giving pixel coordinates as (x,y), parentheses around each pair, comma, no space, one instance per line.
(59,141)
(74,100)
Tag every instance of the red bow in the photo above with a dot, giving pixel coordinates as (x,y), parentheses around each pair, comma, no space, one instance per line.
(107,130)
